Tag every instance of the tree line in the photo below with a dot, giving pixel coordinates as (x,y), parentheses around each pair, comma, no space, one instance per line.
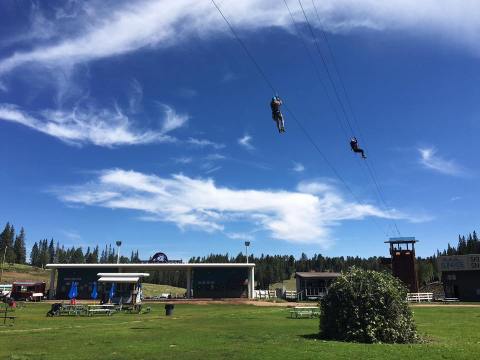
(269,269)
(12,245)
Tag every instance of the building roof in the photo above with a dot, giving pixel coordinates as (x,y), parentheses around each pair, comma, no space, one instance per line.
(318,275)
(124,274)
(119,279)
(401,240)
(152,266)
(26,282)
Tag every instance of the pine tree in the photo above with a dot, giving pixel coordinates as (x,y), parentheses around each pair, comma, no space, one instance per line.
(7,240)
(35,255)
(20,248)
(51,252)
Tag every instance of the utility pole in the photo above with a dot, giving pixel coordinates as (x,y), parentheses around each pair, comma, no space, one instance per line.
(119,243)
(3,262)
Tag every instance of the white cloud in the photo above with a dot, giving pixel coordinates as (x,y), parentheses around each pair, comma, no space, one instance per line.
(131,26)
(246,142)
(430,160)
(172,120)
(240,236)
(294,216)
(89,125)
(298,167)
(204,143)
(183,160)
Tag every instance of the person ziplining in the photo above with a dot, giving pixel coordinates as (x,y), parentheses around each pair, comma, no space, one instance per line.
(277,115)
(355,148)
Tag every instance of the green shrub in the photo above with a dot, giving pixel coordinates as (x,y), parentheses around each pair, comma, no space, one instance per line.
(368,307)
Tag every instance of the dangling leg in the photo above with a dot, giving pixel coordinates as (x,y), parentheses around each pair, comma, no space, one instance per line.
(358,150)
(282,123)
(277,121)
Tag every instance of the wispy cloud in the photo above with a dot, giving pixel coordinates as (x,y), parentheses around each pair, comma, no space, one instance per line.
(294,216)
(159,23)
(183,160)
(430,160)
(90,125)
(204,143)
(298,167)
(135,96)
(246,142)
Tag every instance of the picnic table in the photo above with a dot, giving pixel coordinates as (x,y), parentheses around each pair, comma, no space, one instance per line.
(305,311)
(71,309)
(107,309)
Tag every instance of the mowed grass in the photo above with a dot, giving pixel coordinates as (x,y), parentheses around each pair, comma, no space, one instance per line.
(224,331)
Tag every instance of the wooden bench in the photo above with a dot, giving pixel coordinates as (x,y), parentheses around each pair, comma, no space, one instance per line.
(450,300)
(100,309)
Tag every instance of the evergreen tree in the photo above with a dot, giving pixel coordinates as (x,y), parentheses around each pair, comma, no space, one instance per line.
(20,248)
(7,241)
(35,255)
(51,252)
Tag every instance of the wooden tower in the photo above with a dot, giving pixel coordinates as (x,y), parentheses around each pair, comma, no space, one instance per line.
(404,267)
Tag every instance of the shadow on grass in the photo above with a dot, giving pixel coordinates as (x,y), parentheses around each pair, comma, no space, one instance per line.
(315,336)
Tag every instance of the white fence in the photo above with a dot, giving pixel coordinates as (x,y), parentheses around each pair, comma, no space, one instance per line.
(418,297)
(264,294)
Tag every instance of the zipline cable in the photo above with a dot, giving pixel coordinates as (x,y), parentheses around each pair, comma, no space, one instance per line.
(322,57)
(302,128)
(349,105)
(317,70)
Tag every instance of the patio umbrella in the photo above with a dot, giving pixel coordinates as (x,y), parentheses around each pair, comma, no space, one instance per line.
(94,293)
(111,294)
(72,294)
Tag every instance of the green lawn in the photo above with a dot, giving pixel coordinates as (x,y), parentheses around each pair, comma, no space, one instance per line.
(224,331)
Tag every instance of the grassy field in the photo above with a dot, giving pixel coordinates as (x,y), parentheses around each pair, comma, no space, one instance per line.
(289,284)
(224,331)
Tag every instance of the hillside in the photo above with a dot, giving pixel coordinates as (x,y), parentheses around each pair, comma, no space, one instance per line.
(18,272)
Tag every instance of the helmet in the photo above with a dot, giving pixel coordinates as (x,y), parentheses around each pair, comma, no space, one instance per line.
(274,98)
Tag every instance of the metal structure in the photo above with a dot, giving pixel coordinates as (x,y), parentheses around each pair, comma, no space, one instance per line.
(404,267)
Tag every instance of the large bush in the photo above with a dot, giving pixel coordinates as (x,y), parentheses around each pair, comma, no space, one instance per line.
(367,306)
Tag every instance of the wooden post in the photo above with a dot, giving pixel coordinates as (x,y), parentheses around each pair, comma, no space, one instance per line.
(51,292)
(189,283)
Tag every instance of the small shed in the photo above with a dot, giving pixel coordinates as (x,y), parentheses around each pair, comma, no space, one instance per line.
(313,285)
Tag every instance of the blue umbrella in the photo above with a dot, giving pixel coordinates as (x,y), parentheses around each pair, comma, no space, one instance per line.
(94,293)
(72,294)
(112,292)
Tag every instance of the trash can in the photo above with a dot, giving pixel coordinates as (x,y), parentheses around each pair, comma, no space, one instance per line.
(169,309)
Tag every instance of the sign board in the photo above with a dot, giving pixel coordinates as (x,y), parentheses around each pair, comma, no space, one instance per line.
(459,262)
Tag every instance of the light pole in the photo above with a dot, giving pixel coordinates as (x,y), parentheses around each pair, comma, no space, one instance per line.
(119,243)
(3,262)
(247,244)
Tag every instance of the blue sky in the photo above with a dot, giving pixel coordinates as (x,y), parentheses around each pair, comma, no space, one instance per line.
(146,122)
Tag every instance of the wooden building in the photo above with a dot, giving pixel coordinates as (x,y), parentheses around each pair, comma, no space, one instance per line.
(460,276)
